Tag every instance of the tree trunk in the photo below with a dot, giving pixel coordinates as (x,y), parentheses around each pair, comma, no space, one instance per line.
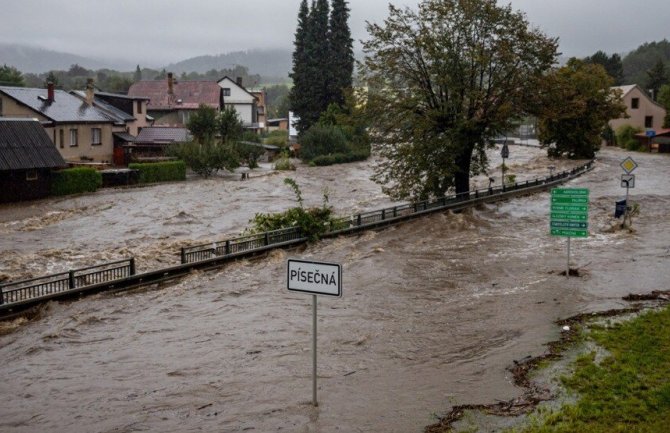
(462,176)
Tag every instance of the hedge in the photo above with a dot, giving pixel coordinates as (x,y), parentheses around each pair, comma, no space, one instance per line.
(339,158)
(75,180)
(160,171)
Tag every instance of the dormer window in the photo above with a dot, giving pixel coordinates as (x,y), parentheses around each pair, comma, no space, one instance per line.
(139,107)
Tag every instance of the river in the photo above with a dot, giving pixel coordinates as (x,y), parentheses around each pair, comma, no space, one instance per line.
(433,310)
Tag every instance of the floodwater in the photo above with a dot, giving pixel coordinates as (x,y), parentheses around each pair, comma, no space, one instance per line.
(433,310)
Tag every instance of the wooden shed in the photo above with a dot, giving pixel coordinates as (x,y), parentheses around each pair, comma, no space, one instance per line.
(27,157)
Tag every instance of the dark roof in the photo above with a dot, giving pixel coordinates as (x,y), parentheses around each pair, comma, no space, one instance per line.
(665,131)
(162,135)
(114,113)
(24,144)
(64,108)
(124,136)
(121,96)
(188,95)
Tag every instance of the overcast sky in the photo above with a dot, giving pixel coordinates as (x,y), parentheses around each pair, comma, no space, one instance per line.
(157,32)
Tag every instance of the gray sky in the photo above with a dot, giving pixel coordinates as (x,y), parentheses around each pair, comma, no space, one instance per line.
(157,32)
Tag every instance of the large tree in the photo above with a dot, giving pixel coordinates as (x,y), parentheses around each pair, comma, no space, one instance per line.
(443,81)
(576,104)
(341,53)
(664,100)
(612,64)
(299,95)
(657,76)
(10,76)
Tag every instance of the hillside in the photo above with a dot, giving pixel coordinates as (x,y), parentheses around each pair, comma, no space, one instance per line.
(37,60)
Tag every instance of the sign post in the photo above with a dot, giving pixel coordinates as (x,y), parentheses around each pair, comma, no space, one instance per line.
(628,179)
(504,153)
(316,279)
(569,215)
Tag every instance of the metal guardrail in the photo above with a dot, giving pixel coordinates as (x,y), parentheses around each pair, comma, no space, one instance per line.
(18,295)
(49,285)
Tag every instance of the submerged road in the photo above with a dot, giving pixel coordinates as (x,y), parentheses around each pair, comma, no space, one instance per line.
(433,312)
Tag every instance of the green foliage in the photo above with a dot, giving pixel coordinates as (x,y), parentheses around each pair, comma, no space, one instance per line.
(10,76)
(206,159)
(612,64)
(628,390)
(283,163)
(638,62)
(277,138)
(76,180)
(251,137)
(167,171)
(625,137)
(322,60)
(608,135)
(664,100)
(657,76)
(442,83)
(322,140)
(229,125)
(313,222)
(340,158)
(248,152)
(576,105)
(277,101)
(203,124)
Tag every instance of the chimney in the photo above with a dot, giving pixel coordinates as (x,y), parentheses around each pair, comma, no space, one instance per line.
(170,84)
(239,81)
(50,92)
(90,93)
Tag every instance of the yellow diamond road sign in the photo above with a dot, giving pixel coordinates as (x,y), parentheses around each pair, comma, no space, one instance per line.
(628,165)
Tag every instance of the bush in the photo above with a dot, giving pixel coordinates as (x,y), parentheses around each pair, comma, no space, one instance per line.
(283,163)
(322,140)
(251,137)
(277,138)
(76,180)
(339,158)
(160,171)
(625,137)
(206,159)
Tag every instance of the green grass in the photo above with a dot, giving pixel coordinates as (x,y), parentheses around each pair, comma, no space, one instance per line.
(626,391)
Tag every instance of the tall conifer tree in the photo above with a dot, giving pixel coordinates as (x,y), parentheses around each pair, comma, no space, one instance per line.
(341,52)
(299,95)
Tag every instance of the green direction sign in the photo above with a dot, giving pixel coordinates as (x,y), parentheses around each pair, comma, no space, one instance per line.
(569,212)
(573,233)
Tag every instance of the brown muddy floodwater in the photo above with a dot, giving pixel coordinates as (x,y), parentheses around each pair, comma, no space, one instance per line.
(433,312)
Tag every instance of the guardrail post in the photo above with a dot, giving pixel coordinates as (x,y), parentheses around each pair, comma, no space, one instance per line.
(358,219)
(132,266)
(183,255)
(395,211)
(71,279)
(2,297)
(383,214)
(227,247)
(415,207)
(476,193)
(267,238)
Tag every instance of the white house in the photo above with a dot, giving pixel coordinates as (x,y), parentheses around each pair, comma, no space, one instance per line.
(234,95)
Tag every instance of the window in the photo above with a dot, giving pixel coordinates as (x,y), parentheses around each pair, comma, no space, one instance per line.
(138,107)
(649,121)
(74,139)
(0,106)
(226,91)
(95,136)
(61,138)
(31,175)
(635,103)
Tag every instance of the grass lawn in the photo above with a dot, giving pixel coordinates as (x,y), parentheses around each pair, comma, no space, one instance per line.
(627,390)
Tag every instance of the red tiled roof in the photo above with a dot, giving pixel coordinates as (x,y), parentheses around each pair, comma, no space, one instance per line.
(188,95)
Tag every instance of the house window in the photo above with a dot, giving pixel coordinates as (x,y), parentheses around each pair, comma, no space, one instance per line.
(139,106)
(649,122)
(61,138)
(74,139)
(0,106)
(635,103)
(226,91)
(31,175)
(96,134)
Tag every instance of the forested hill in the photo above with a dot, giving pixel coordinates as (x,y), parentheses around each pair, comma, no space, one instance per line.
(639,61)
(274,64)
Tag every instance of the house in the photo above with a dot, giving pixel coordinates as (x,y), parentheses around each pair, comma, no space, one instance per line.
(129,114)
(642,111)
(78,129)
(659,142)
(27,157)
(171,102)
(250,106)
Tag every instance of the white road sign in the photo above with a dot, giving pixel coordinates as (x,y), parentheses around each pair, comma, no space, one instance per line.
(314,278)
(627,181)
